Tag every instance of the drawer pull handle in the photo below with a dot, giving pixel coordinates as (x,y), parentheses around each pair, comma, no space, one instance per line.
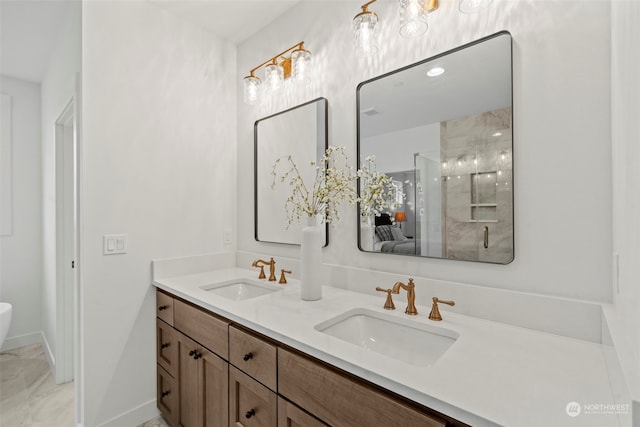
(248,357)
(250,413)
(163,307)
(165,393)
(192,352)
(165,345)
(197,356)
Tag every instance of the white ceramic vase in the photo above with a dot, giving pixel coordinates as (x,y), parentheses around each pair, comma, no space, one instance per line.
(311,262)
(366,234)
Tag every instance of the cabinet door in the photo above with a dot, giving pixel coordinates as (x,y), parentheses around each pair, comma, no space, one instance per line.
(203,379)
(289,415)
(250,403)
(168,396)
(188,382)
(166,347)
(214,372)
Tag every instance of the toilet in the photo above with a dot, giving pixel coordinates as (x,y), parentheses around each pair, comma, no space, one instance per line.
(5,320)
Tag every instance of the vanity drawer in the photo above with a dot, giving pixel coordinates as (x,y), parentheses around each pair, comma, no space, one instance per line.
(164,307)
(341,400)
(168,396)
(250,403)
(254,356)
(166,347)
(203,327)
(289,415)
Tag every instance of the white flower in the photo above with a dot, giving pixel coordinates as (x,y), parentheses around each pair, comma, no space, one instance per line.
(376,189)
(332,185)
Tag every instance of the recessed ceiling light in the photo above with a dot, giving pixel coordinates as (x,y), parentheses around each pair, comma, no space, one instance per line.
(435,71)
(497,134)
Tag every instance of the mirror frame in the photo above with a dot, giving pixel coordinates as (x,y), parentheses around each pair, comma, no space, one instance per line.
(325,103)
(358,151)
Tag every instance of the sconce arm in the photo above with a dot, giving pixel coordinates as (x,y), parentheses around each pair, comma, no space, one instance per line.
(273,59)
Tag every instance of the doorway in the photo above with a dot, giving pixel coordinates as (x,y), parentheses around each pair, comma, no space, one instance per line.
(66,237)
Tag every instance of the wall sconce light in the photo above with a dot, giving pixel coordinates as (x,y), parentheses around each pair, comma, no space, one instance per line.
(413,20)
(276,70)
(364,27)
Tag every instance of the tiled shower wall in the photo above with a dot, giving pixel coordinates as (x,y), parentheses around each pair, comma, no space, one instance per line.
(477,186)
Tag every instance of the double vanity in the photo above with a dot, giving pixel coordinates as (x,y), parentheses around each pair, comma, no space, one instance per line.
(237,350)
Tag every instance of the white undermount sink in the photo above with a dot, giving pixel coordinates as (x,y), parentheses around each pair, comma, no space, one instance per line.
(406,340)
(241,289)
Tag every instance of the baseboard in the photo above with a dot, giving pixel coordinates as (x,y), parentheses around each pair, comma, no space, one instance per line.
(12,343)
(134,417)
(48,354)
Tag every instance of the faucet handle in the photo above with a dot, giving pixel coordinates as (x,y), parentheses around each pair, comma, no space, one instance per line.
(283,279)
(435,312)
(388,304)
(255,264)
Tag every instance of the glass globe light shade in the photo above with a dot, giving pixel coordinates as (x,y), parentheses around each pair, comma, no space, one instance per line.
(273,76)
(414,19)
(301,65)
(365,34)
(251,90)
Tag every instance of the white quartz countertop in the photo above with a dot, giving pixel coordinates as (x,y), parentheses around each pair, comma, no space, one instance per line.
(494,374)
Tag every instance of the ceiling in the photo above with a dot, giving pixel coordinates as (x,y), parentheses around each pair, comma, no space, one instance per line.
(233,20)
(29,29)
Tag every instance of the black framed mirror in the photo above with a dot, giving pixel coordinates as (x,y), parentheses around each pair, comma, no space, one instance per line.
(442,130)
(302,133)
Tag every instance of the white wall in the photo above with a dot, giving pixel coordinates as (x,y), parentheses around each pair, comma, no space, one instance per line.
(394,150)
(626,181)
(561,131)
(159,164)
(58,87)
(21,255)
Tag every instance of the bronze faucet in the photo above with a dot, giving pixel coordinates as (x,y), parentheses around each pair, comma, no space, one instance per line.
(272,268)
(283,279)
(435,311)
(388,304)
(411,295)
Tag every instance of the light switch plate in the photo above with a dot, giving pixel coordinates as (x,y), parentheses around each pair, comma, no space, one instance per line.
(114,244)
(226,236)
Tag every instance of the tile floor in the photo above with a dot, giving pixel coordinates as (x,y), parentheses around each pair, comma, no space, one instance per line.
(156,422)
(29,396)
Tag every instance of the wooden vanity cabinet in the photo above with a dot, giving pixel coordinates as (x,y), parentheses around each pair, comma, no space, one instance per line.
(212,373)
(193,373)
(341,400)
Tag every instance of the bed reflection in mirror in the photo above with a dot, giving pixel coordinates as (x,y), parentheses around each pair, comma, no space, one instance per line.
(442,131)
